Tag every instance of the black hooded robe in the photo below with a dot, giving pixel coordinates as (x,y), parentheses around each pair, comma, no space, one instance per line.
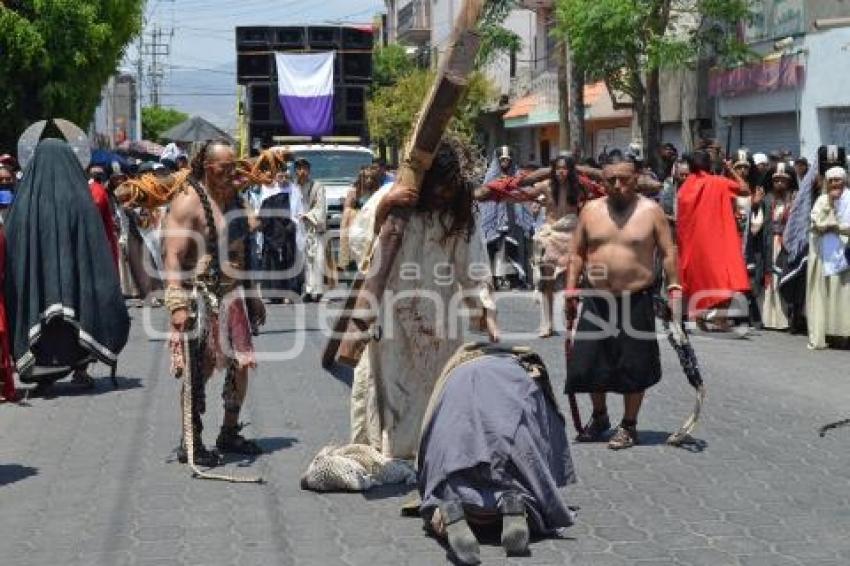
(279,248)
(63,295)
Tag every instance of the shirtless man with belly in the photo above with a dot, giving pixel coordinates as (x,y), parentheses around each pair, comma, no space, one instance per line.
(615,347)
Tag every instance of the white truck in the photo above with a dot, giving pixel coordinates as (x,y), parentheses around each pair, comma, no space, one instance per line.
(336,167)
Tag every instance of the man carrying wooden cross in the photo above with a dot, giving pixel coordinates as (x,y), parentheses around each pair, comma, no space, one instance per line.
(440,269)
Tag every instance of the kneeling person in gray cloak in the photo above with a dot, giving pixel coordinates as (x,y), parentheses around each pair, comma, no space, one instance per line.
(494,449)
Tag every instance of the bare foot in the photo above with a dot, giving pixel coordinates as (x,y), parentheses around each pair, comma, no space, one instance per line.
(546,333)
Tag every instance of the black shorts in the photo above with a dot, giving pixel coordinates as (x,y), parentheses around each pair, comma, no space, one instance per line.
(620,361)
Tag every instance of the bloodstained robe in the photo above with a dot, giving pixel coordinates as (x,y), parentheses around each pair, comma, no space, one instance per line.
(432,281)
(711,263)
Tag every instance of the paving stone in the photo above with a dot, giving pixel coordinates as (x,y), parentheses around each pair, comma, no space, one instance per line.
(769,560)
(704,557)
(764,491)
(620,534)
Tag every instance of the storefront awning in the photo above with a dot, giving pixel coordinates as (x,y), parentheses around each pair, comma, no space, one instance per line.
(528,111)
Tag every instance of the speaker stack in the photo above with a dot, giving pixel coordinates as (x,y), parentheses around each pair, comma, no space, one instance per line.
(256,70)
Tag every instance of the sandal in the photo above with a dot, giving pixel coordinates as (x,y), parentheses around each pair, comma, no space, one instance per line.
(596,429)
(229,440)
(625,437)
(203,457)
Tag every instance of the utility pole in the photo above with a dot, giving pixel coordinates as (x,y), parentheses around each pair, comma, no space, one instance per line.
(158,49)
(576,107)
(140,78)
(564,132)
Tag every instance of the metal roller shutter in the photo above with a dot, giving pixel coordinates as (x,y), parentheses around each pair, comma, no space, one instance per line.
(770,132)
(672,133)
(840,134)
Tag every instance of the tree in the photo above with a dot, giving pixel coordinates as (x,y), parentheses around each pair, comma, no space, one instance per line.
(56,57)
(496,39)
(627,42)
(400,87)
(391,112)
(156,120)
(390,64)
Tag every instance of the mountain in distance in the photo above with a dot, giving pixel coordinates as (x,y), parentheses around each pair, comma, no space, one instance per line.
(204,90)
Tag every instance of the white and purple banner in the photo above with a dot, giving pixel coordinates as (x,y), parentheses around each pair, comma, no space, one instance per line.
(306,91)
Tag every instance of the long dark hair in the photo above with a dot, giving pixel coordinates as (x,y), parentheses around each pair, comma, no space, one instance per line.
(575,190)
(199,162)
(456,217)
(699,161)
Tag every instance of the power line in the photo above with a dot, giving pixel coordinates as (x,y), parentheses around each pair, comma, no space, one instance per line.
(204,69)
(198,94)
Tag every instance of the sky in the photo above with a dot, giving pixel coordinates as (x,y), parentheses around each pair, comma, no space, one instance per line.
(200,77)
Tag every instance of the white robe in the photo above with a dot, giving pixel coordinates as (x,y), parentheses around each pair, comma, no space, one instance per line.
(419,333)
(313,223)
(827,297)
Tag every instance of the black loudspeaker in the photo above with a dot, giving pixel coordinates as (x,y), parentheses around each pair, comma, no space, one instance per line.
(291,38)
(323,37)
(355,104)
(260,97)
(253,67)
(252,38)
(356,67)
(356,38)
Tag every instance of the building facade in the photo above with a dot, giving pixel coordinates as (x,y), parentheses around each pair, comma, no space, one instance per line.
(116,118)
(791,98)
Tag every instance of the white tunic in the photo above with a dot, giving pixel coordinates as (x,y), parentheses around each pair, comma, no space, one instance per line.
(314,224)
(827,297)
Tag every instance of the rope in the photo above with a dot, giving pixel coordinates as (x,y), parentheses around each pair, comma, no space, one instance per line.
(193,381)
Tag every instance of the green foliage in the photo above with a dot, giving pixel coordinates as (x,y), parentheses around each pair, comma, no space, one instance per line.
(57,55)
(390,64)
(156,120)
(618,40)
(495,12)
(494,40)
(400,87)
(392,110)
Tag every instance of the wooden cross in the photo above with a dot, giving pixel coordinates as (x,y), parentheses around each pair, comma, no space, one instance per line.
(437,110)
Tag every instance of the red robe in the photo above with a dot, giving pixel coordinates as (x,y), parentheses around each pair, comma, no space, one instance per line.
(101,201)
(7,375)
(710,258)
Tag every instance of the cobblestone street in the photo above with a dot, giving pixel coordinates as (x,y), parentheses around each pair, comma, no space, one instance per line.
(91,478)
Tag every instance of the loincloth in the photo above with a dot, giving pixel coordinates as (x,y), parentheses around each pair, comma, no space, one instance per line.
(620,361)
(553,245)
(217,354)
